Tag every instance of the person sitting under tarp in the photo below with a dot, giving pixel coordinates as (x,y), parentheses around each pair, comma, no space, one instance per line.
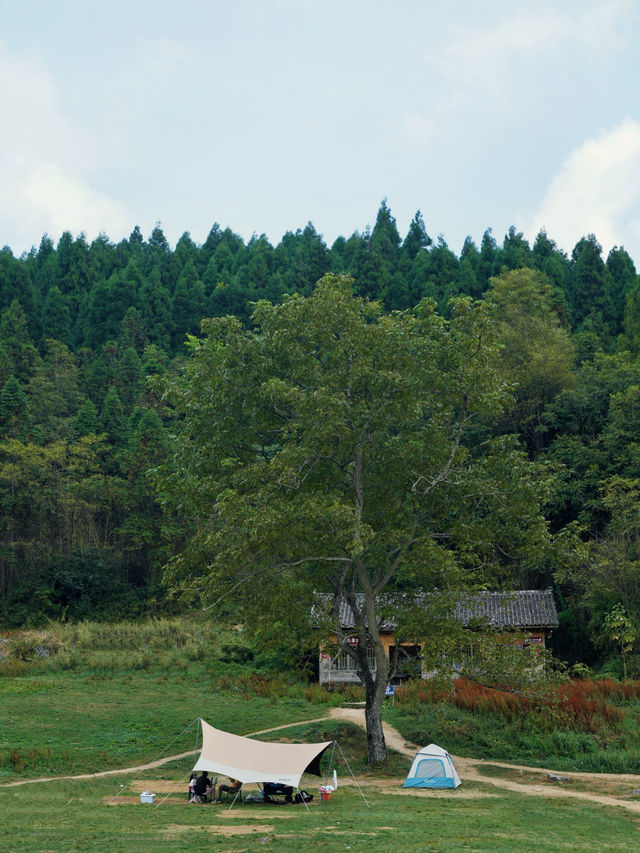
(202,784)
(232,789)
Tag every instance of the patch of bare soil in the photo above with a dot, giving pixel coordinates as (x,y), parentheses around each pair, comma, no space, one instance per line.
(244,815)
(178,828)
(334,831)
(394,786)
(161,786)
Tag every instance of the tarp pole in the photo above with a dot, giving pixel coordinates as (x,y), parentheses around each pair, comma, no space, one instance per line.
(354,778)
(333,749)
(181,782)
(304,801)
(195,757)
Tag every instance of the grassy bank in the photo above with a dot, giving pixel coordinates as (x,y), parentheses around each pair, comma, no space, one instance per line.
(581,725)
(110,695)
(97,696)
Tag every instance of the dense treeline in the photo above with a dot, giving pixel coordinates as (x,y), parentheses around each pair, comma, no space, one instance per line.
(83,326)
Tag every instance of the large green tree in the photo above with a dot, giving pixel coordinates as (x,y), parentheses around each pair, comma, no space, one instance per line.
(325,450)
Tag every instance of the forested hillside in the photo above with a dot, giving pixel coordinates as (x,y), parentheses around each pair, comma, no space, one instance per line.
(83,327)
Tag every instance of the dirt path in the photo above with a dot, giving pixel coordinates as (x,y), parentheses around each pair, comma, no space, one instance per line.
(467,767)
(150,765)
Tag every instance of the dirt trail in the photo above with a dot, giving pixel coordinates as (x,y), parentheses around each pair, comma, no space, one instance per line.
(467,767)
(150,765)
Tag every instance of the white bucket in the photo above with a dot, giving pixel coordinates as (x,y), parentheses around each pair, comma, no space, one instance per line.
(147,797)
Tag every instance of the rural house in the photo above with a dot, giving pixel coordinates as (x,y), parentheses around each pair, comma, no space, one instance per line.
(531,613)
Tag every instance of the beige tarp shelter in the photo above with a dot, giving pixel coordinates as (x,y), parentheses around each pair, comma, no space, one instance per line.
(250,760)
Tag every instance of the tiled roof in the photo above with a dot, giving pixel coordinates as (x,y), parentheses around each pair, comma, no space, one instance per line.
(523,608)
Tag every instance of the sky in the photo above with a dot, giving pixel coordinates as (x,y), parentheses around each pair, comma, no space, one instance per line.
(263,115)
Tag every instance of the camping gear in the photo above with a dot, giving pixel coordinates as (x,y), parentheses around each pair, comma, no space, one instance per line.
(303,797)
(275,789)
(147,797)
(325,792)
(250,760)
(432,767)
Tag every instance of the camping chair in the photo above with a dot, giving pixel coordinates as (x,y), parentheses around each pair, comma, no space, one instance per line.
(233,791)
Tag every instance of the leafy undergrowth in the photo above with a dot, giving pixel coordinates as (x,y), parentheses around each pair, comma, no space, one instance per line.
(579,725)
(227,657)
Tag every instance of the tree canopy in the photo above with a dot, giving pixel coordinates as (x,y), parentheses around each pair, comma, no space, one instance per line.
(332,449)
(85,326)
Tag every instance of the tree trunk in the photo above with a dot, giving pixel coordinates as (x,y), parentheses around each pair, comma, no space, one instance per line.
(376,746)
(374,689)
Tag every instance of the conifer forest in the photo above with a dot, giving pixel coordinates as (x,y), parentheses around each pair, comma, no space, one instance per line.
(91,333)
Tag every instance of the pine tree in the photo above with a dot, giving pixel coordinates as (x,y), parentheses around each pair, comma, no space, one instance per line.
(188,304)
(130,378)
(86,421)
(14,411)
(112,419)
(590,290)
(623,279)
(56,317)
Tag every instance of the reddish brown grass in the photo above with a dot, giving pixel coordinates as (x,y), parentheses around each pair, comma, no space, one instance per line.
(584,705)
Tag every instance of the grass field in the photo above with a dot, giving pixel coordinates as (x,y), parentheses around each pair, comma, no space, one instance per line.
(95,707)
(76,817)
(69,722)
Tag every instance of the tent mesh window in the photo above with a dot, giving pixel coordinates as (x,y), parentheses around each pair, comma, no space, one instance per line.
(430,768)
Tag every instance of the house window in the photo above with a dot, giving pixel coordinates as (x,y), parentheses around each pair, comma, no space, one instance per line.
(345,663)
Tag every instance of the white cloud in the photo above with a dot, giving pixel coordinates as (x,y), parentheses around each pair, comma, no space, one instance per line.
(70,203)
(597,190)
(480,56)
(47,161)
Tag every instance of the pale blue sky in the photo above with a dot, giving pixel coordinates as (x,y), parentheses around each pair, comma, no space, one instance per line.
(264,114)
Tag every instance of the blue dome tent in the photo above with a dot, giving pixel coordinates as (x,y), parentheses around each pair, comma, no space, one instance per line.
(432,767)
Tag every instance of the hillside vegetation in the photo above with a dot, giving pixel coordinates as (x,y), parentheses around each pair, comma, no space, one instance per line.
(113,695)
(86,329)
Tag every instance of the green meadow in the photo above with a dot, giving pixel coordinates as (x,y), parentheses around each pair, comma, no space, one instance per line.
(65,816)
(108,698)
